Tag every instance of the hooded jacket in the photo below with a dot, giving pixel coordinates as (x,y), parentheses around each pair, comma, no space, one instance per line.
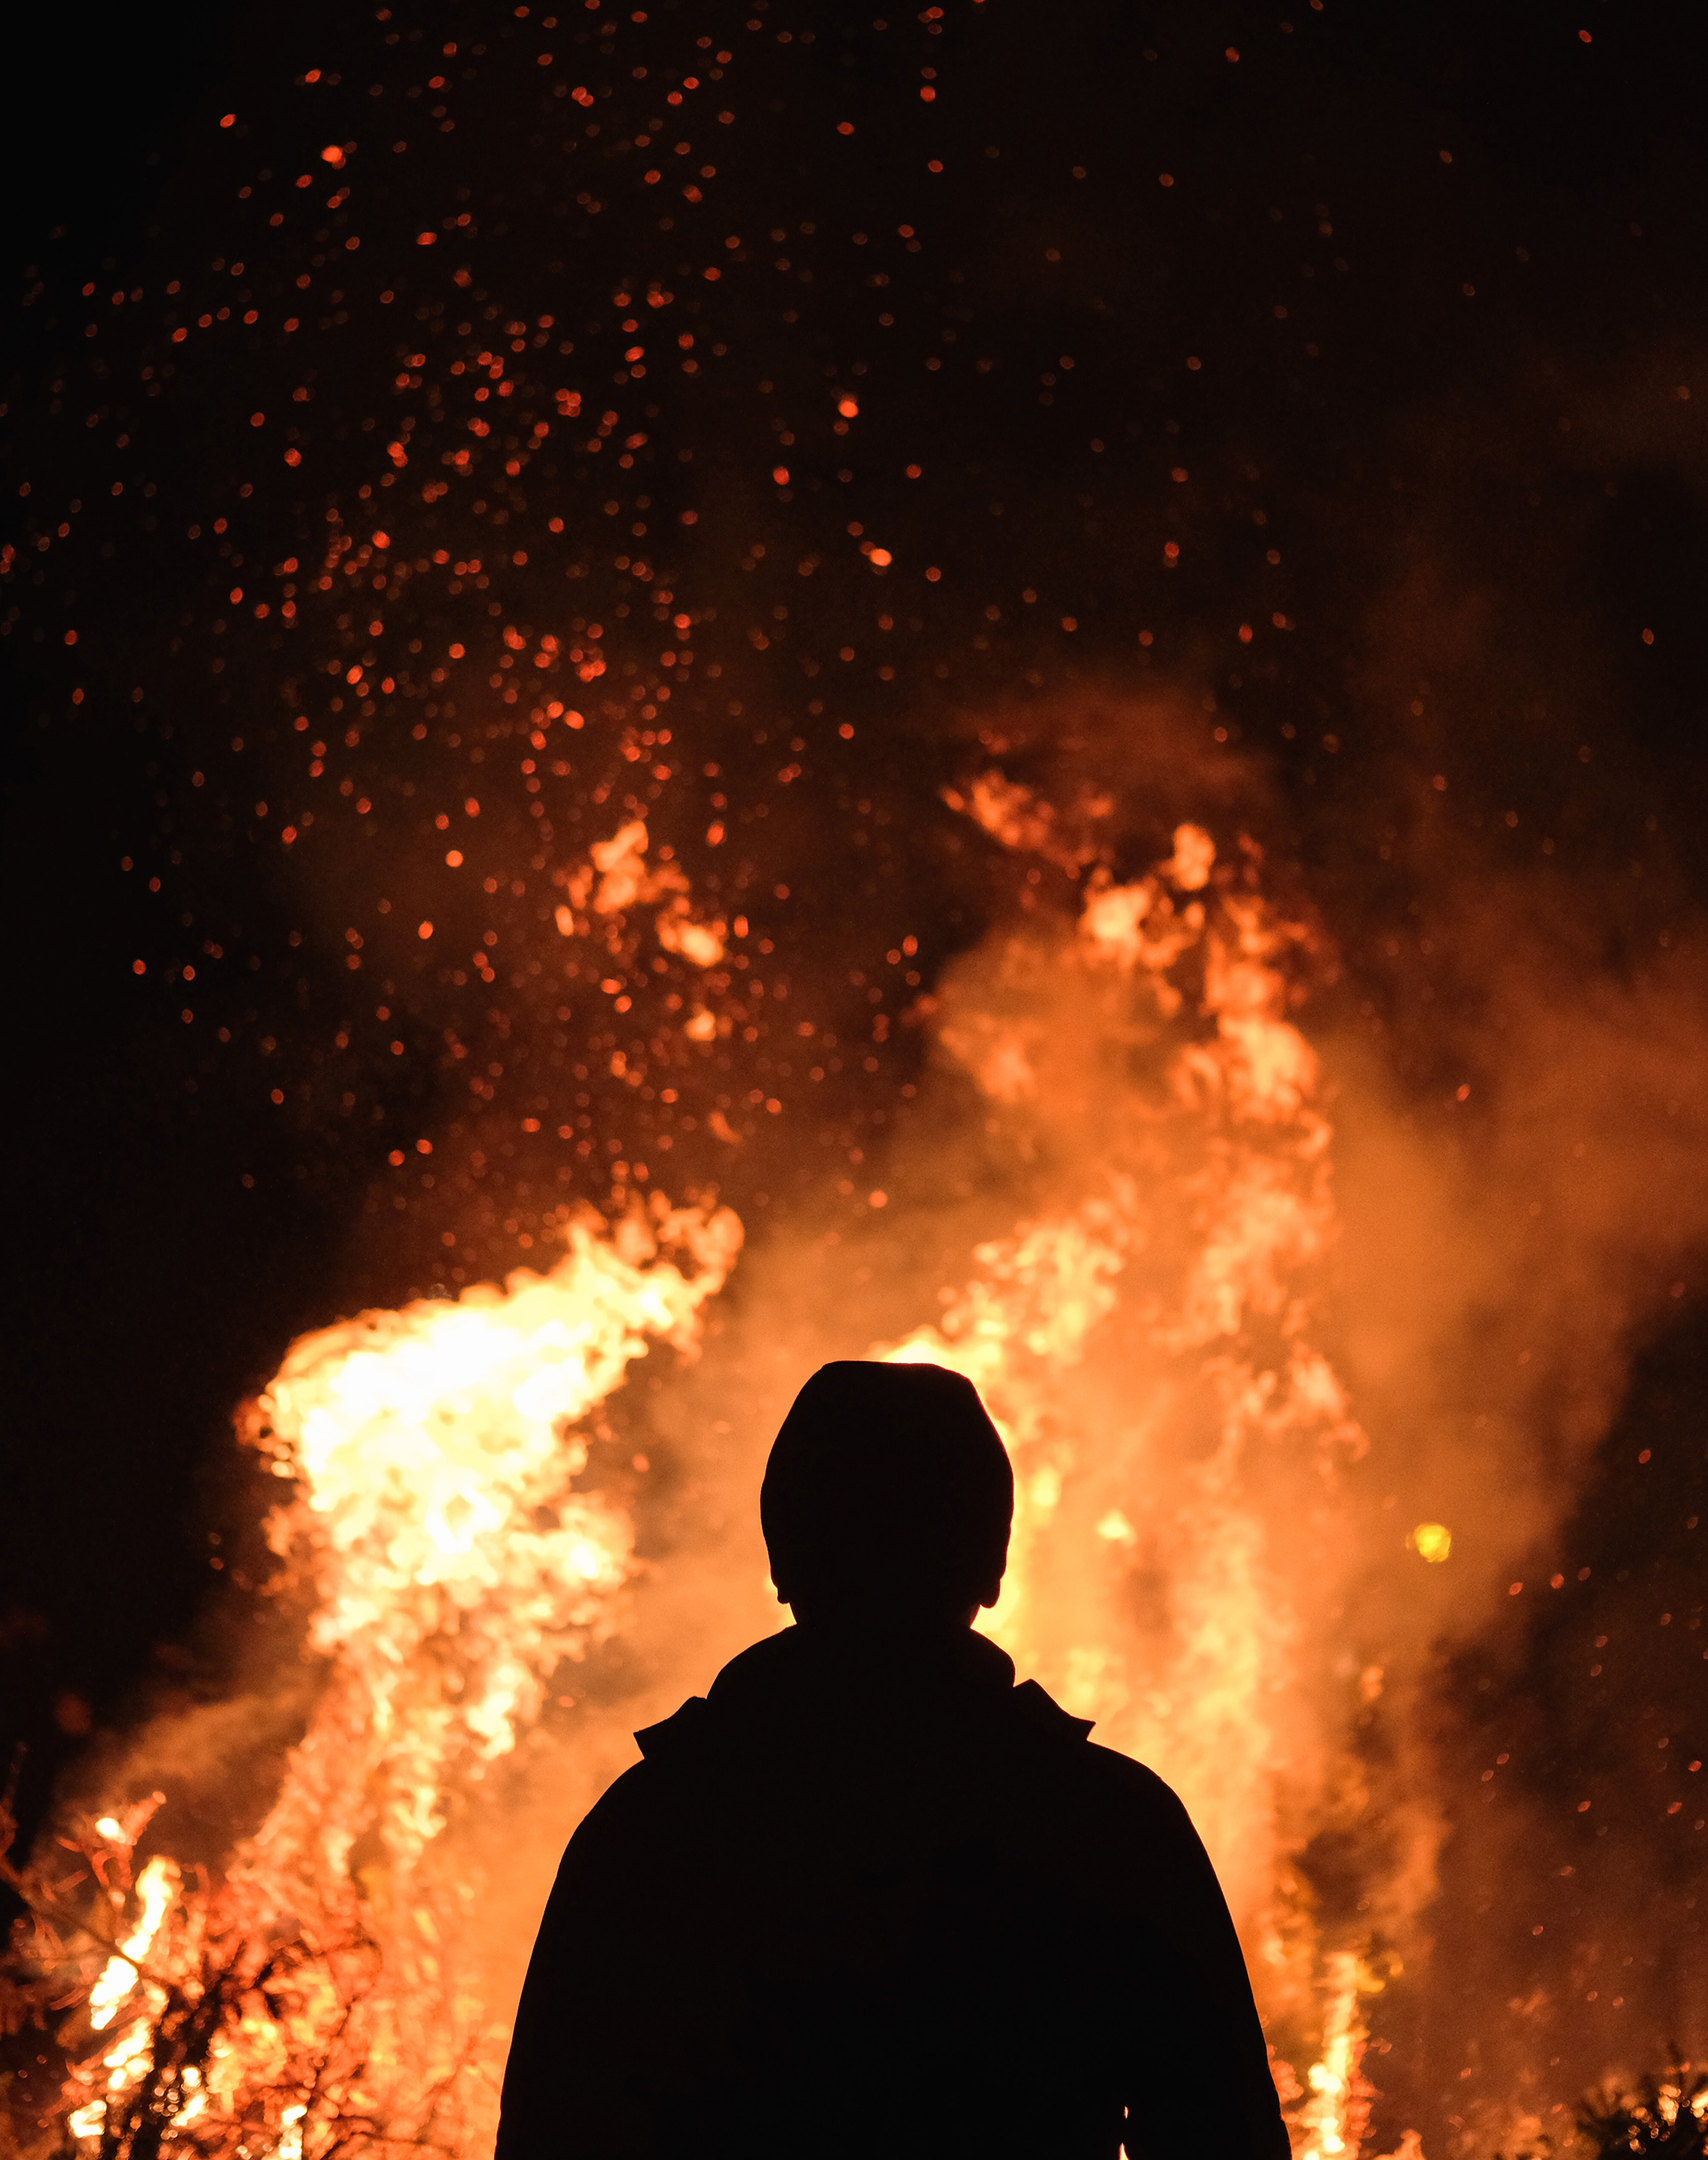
(885,1904)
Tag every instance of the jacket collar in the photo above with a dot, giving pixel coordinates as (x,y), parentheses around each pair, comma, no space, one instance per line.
(806,1678)
(944,1665)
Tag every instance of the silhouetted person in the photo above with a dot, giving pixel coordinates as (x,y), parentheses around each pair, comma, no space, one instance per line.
(870,1898)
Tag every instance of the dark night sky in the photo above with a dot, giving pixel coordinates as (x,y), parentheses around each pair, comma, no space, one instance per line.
(1442,270)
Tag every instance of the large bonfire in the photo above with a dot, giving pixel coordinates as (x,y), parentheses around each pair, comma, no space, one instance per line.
(1147,1348)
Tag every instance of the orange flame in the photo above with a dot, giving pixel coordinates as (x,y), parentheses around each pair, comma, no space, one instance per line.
(1145,1342)
(453,1565)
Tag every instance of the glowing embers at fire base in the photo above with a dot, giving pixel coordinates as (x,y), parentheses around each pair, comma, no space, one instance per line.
(313,1998)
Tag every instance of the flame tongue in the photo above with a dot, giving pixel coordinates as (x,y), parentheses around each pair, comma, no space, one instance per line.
(432,1452)
(156,1888)
(434,1510)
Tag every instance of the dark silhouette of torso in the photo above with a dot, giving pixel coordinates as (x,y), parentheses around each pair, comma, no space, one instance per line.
(885,1903)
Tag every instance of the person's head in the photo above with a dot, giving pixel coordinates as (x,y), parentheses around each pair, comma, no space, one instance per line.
(887,1498)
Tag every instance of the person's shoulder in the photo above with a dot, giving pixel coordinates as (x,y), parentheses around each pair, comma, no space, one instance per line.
(682,1732)
(617,1812)
(666,1749)
(1135,1784)
(1117,1779)
(1038,1714)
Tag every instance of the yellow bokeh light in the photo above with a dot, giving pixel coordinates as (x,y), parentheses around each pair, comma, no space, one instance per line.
(1432,1541)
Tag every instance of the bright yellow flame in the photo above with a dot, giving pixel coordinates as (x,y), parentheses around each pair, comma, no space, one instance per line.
(433,1450)
(155,1888)
(1431,1541)
(1329,2118)
(432,1454)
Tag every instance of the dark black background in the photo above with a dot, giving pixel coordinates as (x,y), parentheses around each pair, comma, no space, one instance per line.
(150,1289)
